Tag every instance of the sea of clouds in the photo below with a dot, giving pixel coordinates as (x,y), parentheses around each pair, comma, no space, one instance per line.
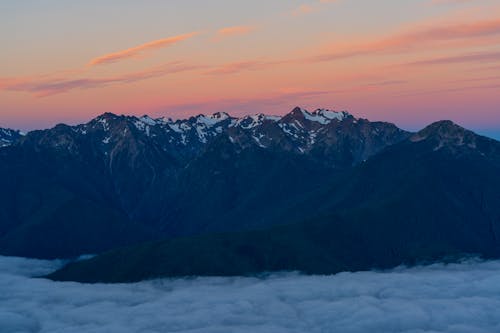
(439,298)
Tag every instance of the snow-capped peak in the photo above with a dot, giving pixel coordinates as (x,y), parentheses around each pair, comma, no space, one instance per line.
(5,132)
(148,120)
(8,136)
(330,114)
(211,120)
(298,125)
(165,120)
(323,116)
(252,121)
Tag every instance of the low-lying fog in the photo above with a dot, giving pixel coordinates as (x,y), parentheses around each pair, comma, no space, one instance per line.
(439,298)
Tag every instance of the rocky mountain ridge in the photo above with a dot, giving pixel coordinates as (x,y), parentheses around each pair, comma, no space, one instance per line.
(299,131)
(430,198)
(117,180)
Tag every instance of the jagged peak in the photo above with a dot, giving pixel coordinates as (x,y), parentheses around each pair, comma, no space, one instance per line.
(104,119)
(108,120)
(107,115)
(221,115)
(10,132)
(297,113)
(322,116)
(251,121)
(9,136)
(148,120)
(165,120)
(332,114)
(211,120)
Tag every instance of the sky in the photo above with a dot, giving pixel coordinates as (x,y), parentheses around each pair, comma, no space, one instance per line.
(458,298)
(410,62)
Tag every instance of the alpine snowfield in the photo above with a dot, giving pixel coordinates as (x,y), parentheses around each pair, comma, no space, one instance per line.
(439,298)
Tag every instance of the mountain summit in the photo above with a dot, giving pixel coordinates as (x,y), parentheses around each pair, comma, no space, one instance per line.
(449,136)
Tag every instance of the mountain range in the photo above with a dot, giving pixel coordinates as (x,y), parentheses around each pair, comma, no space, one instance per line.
(319,192)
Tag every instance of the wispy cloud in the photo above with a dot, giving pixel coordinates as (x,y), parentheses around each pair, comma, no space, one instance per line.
(42,87)
(459,59)
(435,91)
(279,100)
(440,2)
(282,98)
(236,67)
(489,68)
(303,9)
(479,79)
(409,40)
(386,83)
(233,31)
(415,39)
(309,8)
(250,65)
(140,50)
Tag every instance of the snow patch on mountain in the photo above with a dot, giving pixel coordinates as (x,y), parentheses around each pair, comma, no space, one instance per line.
(212,120)
(325,116)
(8,136)
(252,121)
(300,126)
(147,120)
(176,127)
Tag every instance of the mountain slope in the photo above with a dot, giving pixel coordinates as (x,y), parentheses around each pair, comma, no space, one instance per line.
(433,196)
(53,205)
(119,179)
(237,183)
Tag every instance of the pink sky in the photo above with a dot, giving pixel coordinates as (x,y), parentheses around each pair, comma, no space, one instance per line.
(409,62)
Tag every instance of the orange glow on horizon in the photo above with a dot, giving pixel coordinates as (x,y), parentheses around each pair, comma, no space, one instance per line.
(443,59)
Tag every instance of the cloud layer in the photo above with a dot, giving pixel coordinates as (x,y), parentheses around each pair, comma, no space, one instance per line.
(416,38)
(139,50)
(454,298)
(233,31)
(484,57)
(47,86)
